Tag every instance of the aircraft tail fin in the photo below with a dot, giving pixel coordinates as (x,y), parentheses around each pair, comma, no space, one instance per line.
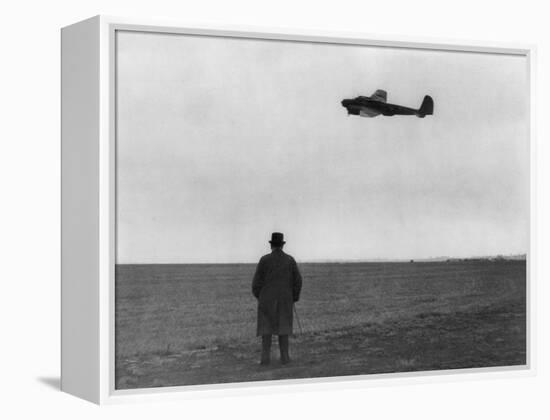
(427,107)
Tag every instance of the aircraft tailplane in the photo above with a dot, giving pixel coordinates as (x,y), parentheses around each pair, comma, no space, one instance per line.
(427,107)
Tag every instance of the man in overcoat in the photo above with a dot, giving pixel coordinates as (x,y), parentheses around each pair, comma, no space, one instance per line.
(277,285)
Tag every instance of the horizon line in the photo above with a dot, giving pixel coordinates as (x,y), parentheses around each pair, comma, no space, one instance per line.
(512,256)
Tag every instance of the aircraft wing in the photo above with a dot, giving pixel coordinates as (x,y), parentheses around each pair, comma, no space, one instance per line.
(380,95)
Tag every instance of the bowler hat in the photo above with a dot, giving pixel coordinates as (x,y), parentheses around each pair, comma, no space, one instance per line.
(277,238)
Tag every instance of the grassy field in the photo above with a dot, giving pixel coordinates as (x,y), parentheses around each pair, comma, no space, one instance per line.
(195,324)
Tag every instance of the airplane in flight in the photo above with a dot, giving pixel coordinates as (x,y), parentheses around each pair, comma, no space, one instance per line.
(371,106)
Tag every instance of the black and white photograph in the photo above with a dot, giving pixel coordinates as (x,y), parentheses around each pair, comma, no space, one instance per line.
(295,210)
(275,210)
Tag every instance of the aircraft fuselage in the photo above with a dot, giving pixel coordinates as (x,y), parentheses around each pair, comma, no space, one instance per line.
(366,106)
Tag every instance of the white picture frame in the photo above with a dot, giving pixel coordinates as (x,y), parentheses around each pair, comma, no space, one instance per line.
(88,209)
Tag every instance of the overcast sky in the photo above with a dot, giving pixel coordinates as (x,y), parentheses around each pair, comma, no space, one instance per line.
(221,141)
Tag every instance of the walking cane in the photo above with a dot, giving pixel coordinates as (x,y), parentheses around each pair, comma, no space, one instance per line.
(297,319)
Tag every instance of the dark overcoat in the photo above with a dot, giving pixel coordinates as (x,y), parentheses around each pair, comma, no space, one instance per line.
(277,284)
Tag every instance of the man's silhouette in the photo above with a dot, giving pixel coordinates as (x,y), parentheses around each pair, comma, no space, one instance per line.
(277,284)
